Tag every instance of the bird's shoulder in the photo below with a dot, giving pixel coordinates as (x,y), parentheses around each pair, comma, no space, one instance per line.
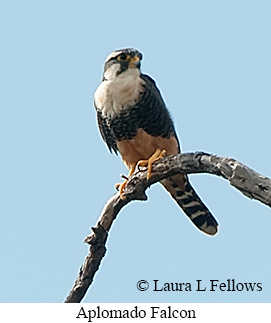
(148,79)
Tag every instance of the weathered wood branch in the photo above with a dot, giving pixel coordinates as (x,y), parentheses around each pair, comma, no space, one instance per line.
(243,178)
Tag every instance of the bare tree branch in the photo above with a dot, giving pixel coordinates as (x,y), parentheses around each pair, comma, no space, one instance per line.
(246,180)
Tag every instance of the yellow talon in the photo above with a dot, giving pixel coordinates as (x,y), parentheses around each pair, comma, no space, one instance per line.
(145,163)
(148,162)
(121,187)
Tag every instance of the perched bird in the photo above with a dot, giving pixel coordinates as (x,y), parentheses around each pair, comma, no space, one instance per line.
(134,121)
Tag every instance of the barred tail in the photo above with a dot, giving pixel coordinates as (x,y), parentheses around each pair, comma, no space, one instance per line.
(183,193)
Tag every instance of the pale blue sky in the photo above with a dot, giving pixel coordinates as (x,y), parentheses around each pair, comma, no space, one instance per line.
(211,60)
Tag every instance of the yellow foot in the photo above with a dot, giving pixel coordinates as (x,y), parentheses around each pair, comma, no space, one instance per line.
(121,187)
(148,162)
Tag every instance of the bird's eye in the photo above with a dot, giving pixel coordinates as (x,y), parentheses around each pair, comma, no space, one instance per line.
(122,57)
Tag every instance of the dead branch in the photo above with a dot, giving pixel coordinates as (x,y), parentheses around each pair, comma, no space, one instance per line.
(246,180)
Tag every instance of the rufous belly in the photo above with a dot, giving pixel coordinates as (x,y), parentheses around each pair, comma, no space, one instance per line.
(143,146)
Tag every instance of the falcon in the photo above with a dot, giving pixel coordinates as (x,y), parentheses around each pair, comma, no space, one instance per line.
(134,121)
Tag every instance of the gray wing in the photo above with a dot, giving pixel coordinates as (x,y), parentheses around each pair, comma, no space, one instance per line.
(156,119)
(106,133)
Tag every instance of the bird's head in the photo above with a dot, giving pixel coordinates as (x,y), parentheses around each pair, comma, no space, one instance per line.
(120,61)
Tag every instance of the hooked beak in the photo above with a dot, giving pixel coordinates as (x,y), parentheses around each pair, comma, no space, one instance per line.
(134,62)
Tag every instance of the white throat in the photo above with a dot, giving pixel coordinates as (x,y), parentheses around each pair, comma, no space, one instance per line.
(111,72)
(117,93)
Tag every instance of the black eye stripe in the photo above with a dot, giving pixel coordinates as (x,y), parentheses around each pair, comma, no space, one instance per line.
(122,56)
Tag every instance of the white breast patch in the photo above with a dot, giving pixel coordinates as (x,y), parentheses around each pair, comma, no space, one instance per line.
(116,94)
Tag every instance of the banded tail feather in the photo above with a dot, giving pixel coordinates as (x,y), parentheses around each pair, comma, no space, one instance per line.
(186,197)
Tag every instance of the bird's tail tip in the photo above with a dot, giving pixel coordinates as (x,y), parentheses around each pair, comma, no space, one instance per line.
(186,197)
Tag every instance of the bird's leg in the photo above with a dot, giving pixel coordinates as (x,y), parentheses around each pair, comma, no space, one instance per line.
(148,162)
(145,163)
(122,186)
